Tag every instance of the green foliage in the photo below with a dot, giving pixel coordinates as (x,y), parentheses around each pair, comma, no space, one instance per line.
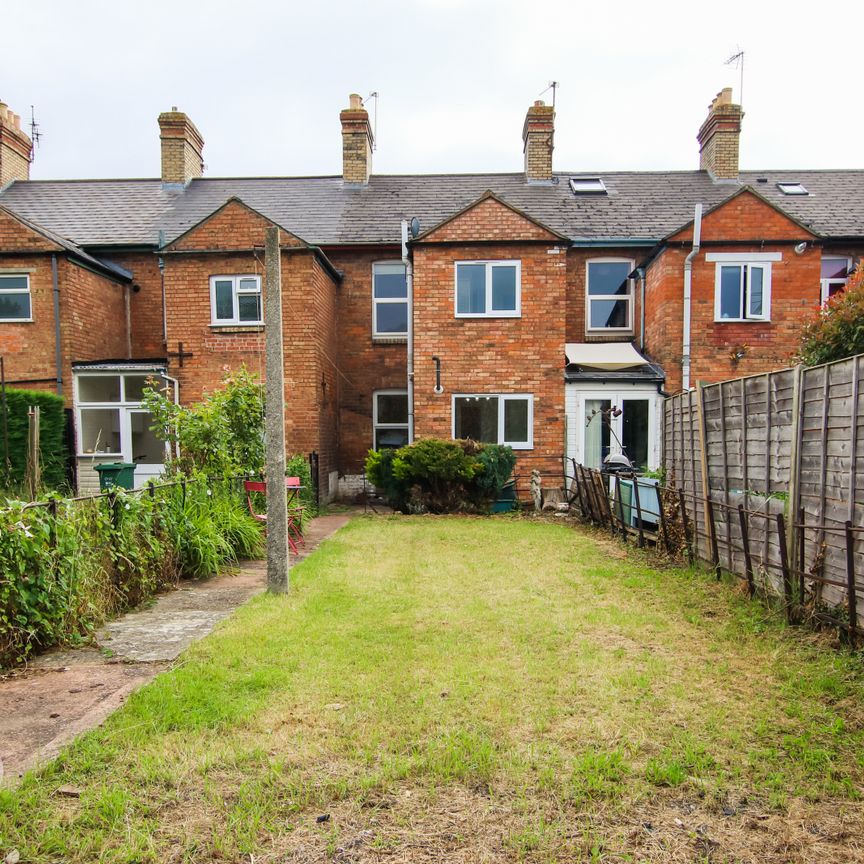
(837,329)
(298,466)
(66,567)
(221,435)
(438,476)
(52,422)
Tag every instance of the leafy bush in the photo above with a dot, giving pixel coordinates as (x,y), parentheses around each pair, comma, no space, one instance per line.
(221,435)
(837,329)
(66,568)
(441,476)
(52,423)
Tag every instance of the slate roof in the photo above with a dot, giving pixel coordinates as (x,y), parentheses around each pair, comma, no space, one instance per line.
(644,206)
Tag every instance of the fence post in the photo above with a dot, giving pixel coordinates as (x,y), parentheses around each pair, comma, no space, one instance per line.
(624,526)
(850,583)
(715,552)
(802,559)
(796,535)
(745,542)
(638,510)
(706,481)
(660,495)
(784,565)
(685,525)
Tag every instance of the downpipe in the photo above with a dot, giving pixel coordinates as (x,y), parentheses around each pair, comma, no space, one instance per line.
(688,298)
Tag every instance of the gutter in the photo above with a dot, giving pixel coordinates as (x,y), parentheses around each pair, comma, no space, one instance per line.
(688,297)
(58,348)
(409,279)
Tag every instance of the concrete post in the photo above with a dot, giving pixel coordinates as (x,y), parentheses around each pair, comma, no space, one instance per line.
(274,420)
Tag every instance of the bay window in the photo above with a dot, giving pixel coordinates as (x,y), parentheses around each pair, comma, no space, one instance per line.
(495,419)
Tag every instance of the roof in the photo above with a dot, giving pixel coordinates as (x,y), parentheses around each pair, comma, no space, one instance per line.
(640,206)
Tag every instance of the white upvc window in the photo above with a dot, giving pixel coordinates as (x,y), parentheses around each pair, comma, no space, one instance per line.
(15,300)
(495,418)
(236,299)
(742,285)
(609,294)
(390,418)
(835,273)
(389,299)
(488,289)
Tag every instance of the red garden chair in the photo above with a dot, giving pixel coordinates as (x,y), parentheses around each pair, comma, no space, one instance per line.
(295,509)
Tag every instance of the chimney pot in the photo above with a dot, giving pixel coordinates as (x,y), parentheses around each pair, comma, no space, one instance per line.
(355,102)
(719,137)
(182,148)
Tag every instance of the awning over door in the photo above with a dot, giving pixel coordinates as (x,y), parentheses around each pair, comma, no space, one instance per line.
(603,355)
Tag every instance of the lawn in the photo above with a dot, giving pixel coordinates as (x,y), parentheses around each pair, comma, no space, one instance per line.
(457,689)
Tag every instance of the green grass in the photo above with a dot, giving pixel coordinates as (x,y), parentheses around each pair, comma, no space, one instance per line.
(536,682)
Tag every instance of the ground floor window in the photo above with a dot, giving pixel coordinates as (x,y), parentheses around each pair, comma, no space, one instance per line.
(601,423)
(390,418)
(495,419)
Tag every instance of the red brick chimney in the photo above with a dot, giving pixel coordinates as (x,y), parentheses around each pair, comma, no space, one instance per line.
(16,148)
(182,148)
(357,142)
(718,137)
(538,133)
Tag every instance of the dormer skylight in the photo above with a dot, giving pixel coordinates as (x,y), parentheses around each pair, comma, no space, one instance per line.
(587,186)
(792,188)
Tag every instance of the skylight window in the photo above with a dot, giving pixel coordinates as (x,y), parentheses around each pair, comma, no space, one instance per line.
(587,186)
(792,188)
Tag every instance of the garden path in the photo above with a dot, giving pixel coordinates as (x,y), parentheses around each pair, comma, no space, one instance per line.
(63,693)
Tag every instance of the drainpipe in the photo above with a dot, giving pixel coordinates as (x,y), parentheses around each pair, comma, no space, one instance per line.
(58,349)
(161,261)
(127,300)
(688,296)
(409,278)
(641,272)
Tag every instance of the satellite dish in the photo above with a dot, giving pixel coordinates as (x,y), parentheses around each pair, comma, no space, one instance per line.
(415,227)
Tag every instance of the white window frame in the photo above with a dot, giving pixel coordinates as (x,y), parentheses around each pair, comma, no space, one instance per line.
(588,186)
(631,263)
(489,313)
(235,280)
(502,399)
(376,300)
(375,424)
(825,284)
(124,406)
(751,260)
(27,291)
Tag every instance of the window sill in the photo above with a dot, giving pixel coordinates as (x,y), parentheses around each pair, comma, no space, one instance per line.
(16,320)
(742,320)
(238,328)
(389,340)
(494,315)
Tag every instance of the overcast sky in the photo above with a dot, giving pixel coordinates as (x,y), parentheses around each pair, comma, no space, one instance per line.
(264,81)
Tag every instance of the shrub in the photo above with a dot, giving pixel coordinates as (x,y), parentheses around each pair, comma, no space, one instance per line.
(52,423)
(441,476)
(836,331)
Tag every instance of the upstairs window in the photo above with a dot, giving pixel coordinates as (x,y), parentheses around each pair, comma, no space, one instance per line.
(15,297)
(792,188)
(389,300)
(236,299)
(495,419)
(587,186)
(390,418)
(488,289)
(742,292)
(835,272)
(610,294)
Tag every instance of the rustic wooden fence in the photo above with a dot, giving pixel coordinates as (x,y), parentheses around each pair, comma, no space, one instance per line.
(772,464)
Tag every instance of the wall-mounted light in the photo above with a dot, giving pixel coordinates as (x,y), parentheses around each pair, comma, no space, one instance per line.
(438,388)
(801,248)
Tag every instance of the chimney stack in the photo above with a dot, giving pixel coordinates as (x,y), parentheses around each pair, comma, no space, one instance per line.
(538,133)
(718,137)
(182,148)
(16,148)
(357,142)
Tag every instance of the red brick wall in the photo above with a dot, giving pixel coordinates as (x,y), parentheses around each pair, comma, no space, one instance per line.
(146,303)
(499,223)
(365,365)
(493,355)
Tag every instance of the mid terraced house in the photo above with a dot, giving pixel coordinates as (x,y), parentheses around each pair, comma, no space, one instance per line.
(539,298)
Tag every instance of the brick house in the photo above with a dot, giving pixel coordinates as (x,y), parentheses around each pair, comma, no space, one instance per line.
(527,303)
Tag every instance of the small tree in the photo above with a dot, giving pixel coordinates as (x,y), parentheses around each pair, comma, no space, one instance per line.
(836,331)
(223,434)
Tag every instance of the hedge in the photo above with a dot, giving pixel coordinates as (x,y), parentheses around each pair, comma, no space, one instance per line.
(52,425)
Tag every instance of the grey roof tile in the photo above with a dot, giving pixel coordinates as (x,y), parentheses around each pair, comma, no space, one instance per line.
(639,206)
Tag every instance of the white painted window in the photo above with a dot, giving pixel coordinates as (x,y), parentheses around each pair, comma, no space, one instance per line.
(495,418)
(742,292)
(488,289)
(609,294)
(835,273)
(236,300)
(390,418)
(389,299)
(15,302)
